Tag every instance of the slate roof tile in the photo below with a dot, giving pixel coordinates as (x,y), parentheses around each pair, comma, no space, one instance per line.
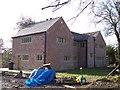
(37,28)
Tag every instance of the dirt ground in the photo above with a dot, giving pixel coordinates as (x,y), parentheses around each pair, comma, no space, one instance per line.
(11,82)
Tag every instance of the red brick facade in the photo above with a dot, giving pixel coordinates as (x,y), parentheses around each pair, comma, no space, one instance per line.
(56,51)
(32,49)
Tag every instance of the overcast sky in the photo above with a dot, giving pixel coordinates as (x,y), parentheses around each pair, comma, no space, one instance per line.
(11,10)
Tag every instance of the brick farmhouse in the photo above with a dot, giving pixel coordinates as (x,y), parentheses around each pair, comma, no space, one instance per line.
(51,41)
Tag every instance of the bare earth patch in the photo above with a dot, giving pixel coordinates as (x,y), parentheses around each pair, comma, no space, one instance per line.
(11,82)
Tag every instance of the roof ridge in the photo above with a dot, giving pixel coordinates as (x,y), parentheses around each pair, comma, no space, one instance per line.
(76,33)
(92,32)
(48,19)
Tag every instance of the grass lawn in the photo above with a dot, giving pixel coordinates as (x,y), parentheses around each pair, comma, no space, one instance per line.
(85,71)
(0,62)
(93,74)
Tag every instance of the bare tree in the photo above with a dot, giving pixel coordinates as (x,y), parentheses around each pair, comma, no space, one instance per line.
(24,22)
(1,44)
(106,13)
(56,4)
(82,5)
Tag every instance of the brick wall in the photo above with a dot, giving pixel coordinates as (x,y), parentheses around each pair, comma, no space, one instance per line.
(55,50)
(32,49)
(100,52)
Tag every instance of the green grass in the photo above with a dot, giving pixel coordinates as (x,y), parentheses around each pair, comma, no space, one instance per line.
(86,72)
(90,74)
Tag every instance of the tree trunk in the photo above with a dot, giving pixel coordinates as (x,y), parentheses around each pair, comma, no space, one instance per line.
(119,53)
(118,39)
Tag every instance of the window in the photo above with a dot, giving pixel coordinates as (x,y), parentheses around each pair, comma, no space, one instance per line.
(98,58)
(26,40)
(101,46)
(74,43)
(96,45)
(74,57)
(39,57)
(102,58)
(81,44)
(19,57)
(61,40)
(25,57)
(66,58)
(91,54)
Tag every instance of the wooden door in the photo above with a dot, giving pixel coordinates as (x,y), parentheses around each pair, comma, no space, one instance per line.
(18,62)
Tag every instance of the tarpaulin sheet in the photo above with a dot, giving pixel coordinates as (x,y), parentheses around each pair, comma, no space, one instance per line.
(40,76)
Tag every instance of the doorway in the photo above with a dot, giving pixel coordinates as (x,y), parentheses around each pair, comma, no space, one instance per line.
(18,62)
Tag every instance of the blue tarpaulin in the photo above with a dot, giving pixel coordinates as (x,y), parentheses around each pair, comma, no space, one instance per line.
(40,76)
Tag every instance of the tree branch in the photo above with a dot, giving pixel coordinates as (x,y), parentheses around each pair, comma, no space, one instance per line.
(75,17)
(59,4)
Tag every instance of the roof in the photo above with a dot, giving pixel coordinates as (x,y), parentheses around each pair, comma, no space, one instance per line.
(94,34)
(37,28)
(85,36)
(80,37)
